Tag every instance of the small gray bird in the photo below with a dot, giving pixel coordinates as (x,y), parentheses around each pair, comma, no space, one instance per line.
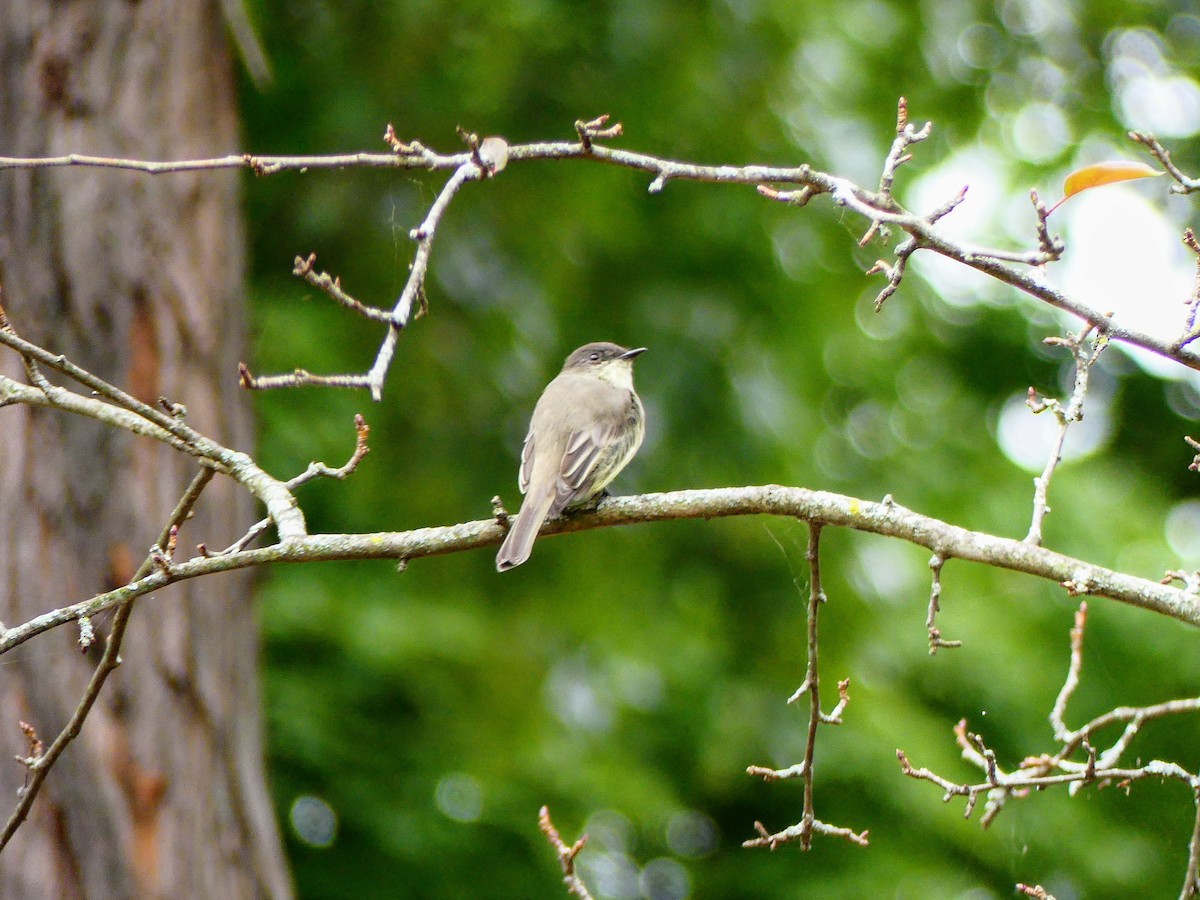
(587,425)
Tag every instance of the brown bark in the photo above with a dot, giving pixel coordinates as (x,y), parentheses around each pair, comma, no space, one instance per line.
(137,278)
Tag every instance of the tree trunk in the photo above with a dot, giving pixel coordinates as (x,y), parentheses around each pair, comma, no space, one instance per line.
(139,279)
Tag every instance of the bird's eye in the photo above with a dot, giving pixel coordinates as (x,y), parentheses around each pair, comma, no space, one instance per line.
(594,357)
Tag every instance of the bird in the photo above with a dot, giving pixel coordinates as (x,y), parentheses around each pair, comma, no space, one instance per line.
(586,426)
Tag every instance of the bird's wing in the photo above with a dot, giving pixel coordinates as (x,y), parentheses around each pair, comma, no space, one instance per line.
(526,471)
(584,449)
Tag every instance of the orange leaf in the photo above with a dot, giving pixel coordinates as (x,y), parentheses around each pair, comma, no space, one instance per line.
(1103,173)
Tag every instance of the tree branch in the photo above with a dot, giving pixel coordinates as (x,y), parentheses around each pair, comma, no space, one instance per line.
(121,410)
(39,765)
(888,519)
(879,208)
(1045,770)
(1184,183)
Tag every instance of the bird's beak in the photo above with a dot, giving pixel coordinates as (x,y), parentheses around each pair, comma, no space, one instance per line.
(630,354)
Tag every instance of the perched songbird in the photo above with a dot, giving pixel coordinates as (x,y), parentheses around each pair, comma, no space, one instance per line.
(587,425)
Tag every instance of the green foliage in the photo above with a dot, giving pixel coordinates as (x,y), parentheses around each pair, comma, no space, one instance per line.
(629,676)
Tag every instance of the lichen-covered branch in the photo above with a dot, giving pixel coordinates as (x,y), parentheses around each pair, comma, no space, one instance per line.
(113,406)
(888,519)
(1016,268)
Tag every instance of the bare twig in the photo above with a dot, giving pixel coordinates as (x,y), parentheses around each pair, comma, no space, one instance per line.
(768,774)
(1071,682)
(566,854)
(1190,331)
(483,160)
(936,641)
(303,266)
(115,407)
(1183,183)
(314,470)
(834,716)
(1191,881)
(949,206)
(1036,891)
(812,676)
(1052,247)
(414,289)
(36,747)
(1084,360)
(298,378)
(809,824)
(1043,771)
(32,372)
(114,395)
(1000,784)
(417,158)
(799,197)
(40,763)
(906,136)
(597,129)
(895,271)
(795,833)
(1194,466)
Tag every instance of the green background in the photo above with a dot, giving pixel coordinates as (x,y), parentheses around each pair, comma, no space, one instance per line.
(626,677)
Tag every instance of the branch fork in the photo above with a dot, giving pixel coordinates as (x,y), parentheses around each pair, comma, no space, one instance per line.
(1099,767)
(566,854)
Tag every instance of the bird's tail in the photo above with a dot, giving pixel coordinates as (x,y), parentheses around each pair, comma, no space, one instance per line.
(518,544)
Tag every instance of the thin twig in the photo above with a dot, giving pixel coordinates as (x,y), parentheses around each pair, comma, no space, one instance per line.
(1184,184)
(1043,771)
(809,824)
(115,407)
(297,378)
(99,386)
(796,832)
(417,158)
(1052,247)
(314,470)
(895,271)
(303,267)
(1190,331)
(1084,360)
(39,764)
(1191,881)
(812,677)
(936,641)
(1036,891)
(906,136)
(32,372)
(566,854)
(413,293)
(1071,682)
